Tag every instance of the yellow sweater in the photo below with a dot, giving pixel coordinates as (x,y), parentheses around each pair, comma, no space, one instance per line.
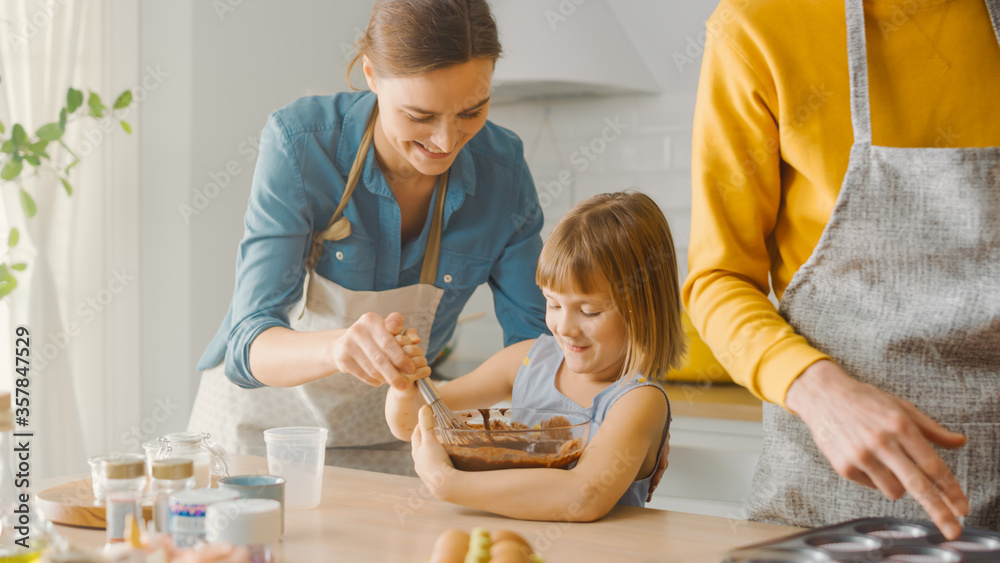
(772,134)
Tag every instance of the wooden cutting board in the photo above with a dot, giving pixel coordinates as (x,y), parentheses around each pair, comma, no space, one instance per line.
(74,504)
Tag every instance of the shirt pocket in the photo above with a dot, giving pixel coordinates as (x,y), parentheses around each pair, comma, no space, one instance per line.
(349,262)
(457,271)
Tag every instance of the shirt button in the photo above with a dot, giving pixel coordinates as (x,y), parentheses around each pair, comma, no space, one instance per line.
(340,255)
(447,278)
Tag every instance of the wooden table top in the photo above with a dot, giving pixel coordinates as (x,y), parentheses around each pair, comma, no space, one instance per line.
(366,516)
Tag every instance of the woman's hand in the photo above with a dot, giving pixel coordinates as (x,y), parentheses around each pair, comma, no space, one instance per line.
(880,441)
(430,459)
(369,351)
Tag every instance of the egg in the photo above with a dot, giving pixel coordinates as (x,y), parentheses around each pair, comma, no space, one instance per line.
(501,535)
(479,546)
(450,547)
(509,551)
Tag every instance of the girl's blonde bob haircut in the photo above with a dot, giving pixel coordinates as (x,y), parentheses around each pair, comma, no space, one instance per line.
(620,243)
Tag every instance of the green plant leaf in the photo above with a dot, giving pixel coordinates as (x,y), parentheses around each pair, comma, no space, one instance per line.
(65,183)
(50,132)
(20,266)
(33,160)
(71,165)
(124,100)
(28,204)
(2,128)
(11,169)
(62,119)
(96,105)
(8,146)
(126,127)
(74,99)
(7,282)
(3,272)
(39,147)
(18,135)
(13,238)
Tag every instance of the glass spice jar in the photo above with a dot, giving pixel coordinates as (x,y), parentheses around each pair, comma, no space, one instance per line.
(169,476)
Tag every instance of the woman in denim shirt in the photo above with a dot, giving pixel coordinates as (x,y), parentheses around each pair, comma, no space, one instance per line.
(347,242)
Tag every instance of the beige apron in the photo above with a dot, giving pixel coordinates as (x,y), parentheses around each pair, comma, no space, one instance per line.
(352,411)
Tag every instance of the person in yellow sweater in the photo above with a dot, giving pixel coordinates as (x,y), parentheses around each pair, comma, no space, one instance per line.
(854,170)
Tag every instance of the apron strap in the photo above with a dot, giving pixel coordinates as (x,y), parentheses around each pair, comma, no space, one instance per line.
(857,66)
(994,7)
(339,228)
(428,272)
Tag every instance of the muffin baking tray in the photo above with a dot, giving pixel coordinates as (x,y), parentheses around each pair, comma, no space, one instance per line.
(873,540)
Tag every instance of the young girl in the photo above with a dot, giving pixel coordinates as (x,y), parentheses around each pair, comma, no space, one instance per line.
(609,275)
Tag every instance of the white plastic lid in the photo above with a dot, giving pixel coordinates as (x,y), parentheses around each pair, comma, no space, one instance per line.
(202,497)
(246,521)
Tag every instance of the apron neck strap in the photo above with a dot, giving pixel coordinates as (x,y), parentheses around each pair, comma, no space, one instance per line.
(857,64)
(339,228)
(428,272)
(994,7)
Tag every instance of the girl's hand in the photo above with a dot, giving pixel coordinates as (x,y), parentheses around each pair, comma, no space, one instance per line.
(368,350)
(429,457)
(408,340)
(661,468)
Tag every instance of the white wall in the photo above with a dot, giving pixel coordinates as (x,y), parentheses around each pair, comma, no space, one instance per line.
(224,66)
(228,68)
(652,152)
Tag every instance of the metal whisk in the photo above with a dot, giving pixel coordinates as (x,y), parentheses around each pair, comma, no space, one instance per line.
(443,415)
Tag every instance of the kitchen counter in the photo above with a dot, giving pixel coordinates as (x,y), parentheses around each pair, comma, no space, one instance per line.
(367,516)
(725,401)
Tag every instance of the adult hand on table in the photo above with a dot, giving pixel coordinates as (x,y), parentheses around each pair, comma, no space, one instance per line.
(369,351)
(879,441)
(661,468)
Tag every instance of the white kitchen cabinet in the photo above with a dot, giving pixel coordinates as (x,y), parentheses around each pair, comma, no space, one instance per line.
(712,462)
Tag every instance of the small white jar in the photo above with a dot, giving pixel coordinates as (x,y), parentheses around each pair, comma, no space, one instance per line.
(251,522)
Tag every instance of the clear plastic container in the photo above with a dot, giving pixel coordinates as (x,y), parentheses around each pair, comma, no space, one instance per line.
(208,458)
(169,476)
(298,455)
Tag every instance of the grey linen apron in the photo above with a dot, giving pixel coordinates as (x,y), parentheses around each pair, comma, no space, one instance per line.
(352,411)
(903,292)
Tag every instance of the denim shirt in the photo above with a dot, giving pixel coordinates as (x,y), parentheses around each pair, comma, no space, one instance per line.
(490,232)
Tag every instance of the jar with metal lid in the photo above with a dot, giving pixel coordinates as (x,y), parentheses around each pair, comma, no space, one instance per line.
(208,458)
(125,482)
(169,476)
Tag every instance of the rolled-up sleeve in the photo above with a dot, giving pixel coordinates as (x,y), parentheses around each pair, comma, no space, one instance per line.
(270,265)
(519,304)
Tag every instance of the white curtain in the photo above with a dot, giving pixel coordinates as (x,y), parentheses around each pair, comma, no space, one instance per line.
(68,294)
